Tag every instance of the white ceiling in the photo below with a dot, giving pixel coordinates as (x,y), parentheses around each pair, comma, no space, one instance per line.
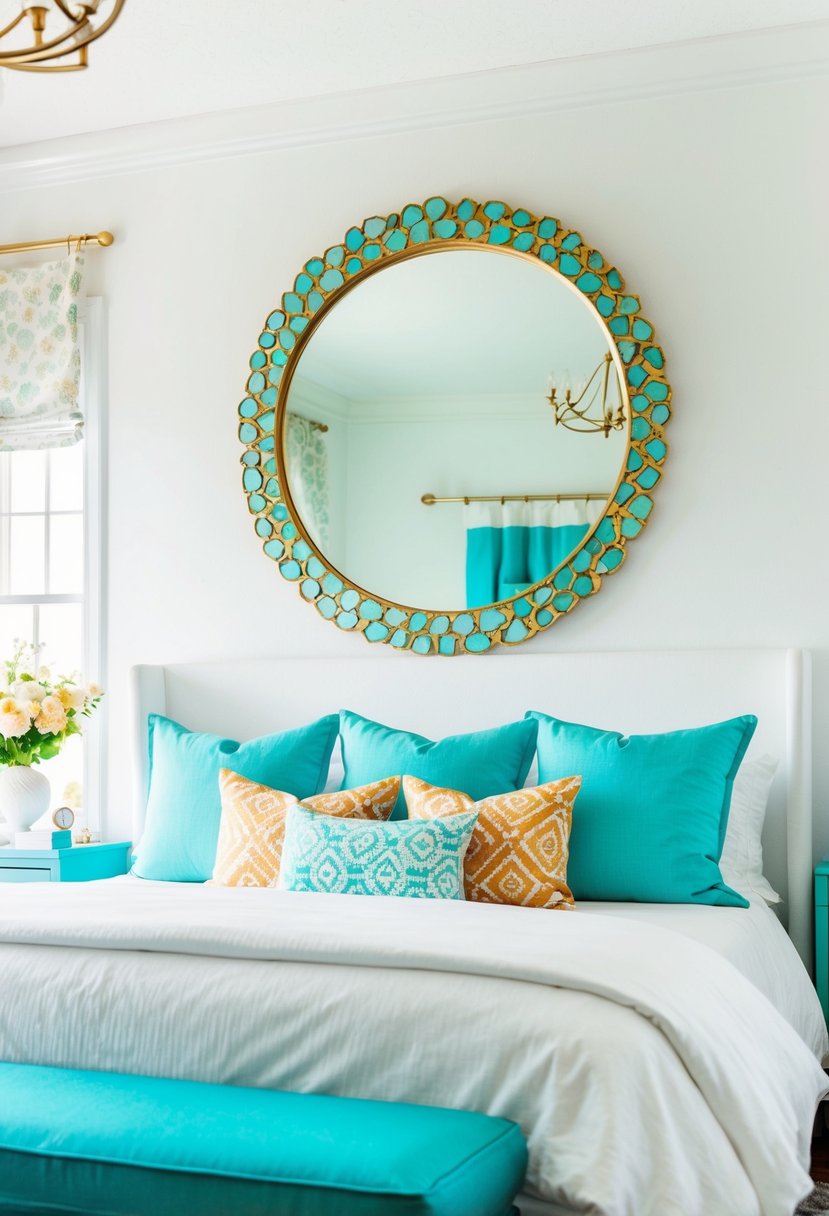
(167,60)
(469,321)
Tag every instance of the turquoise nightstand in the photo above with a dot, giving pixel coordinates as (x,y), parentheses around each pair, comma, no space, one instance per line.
(822,933)
(80,863)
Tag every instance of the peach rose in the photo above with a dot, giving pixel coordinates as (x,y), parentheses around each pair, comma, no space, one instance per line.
(52,717)
(71,697)
(15,718)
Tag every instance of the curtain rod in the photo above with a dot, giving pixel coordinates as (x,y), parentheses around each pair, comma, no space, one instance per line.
(429,500)
(55,242)
(312,422)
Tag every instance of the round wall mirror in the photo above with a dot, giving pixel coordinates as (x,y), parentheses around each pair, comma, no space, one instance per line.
(431,381)
(453,426)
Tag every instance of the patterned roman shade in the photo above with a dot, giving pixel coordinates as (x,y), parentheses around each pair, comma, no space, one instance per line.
(308,463)
(40,360)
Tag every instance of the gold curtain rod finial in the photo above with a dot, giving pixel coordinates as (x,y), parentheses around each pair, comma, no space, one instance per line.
(103,238)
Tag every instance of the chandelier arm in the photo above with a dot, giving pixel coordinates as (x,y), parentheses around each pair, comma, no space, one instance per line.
(590,428)
(49,50)
(586,388)
(596,370)
(55,49)
(45,67)
(582,413)
(13,23)
(573,406)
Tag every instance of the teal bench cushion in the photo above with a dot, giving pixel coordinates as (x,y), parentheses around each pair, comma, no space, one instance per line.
(107,1144)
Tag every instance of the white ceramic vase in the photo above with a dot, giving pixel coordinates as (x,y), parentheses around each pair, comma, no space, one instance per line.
(24,796)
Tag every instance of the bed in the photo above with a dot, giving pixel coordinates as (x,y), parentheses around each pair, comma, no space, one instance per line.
(660,1059)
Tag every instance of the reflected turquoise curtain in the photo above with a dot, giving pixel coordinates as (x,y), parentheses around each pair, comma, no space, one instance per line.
(511,546)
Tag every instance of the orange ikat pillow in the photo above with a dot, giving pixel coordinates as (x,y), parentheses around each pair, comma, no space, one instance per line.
(519,848)
(252,831)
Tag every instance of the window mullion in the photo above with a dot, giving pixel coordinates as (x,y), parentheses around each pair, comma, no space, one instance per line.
(47,531)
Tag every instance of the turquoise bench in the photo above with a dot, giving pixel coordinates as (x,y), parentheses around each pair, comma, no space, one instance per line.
(107,1144)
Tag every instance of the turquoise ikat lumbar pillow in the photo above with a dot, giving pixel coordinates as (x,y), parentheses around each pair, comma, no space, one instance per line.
(420,858)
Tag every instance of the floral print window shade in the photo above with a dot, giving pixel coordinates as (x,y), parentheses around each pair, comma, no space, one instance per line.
(39,355)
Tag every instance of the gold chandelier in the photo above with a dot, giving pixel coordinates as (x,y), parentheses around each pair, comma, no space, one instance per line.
(600,392)
(58,28)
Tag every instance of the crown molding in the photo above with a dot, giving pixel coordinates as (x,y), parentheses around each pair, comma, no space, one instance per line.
(730,61)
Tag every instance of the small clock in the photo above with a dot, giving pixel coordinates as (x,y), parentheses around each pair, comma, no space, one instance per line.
(63,817)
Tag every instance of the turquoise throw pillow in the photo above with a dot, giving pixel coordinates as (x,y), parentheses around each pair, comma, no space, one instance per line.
(416,857)
(650,821)
(487,762)
(184,807)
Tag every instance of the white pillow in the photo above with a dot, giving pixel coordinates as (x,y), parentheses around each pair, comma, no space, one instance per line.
(336,769)
(741,863)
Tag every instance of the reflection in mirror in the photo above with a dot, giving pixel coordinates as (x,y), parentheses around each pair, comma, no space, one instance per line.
(465,374)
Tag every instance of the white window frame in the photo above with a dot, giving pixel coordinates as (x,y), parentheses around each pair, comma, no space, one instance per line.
(92,326)
(92,319)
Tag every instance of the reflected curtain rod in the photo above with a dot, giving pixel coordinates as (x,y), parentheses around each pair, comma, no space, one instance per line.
(322,427)
(429,500)
(56,242)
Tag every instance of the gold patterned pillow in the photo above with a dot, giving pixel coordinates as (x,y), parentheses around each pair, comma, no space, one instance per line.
(249,853)
(519,849)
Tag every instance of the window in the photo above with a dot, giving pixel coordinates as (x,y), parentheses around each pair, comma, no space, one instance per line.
(50,568)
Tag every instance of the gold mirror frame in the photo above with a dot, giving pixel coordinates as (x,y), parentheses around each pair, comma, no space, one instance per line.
(379,242)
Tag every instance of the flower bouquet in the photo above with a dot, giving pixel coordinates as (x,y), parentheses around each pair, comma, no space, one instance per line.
(38,713)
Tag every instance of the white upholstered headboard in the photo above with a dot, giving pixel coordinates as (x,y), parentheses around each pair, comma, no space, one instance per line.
(627,691)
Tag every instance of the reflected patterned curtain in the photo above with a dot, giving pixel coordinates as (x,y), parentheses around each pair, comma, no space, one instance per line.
(307,462)
(510,546)
(40,361)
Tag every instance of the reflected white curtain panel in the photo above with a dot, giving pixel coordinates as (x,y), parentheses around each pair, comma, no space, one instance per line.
(307,459)
(40,363)
(511,545)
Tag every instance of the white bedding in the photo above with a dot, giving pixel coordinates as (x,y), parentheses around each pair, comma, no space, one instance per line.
(651,1078)
(754,940)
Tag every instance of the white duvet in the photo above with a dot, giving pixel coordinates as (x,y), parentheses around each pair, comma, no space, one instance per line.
(650,1077)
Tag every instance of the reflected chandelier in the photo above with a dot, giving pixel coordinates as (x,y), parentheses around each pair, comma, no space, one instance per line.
(75,26)
(601,391)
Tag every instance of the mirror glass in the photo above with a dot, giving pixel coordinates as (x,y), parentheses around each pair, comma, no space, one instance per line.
(431,378)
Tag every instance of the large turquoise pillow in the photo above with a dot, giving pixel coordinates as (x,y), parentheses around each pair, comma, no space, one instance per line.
(184,806)
(416,857)
(487,762)
(650,820)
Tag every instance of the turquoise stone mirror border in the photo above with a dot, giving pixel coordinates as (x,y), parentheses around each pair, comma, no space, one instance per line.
(422,228)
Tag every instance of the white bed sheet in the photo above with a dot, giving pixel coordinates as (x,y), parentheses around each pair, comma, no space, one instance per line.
(755,942)
(484,1008)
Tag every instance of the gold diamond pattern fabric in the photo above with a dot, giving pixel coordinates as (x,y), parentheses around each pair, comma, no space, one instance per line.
(519,849)
(252,831)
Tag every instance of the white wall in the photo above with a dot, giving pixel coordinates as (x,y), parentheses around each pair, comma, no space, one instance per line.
(713,203)
(399,450)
